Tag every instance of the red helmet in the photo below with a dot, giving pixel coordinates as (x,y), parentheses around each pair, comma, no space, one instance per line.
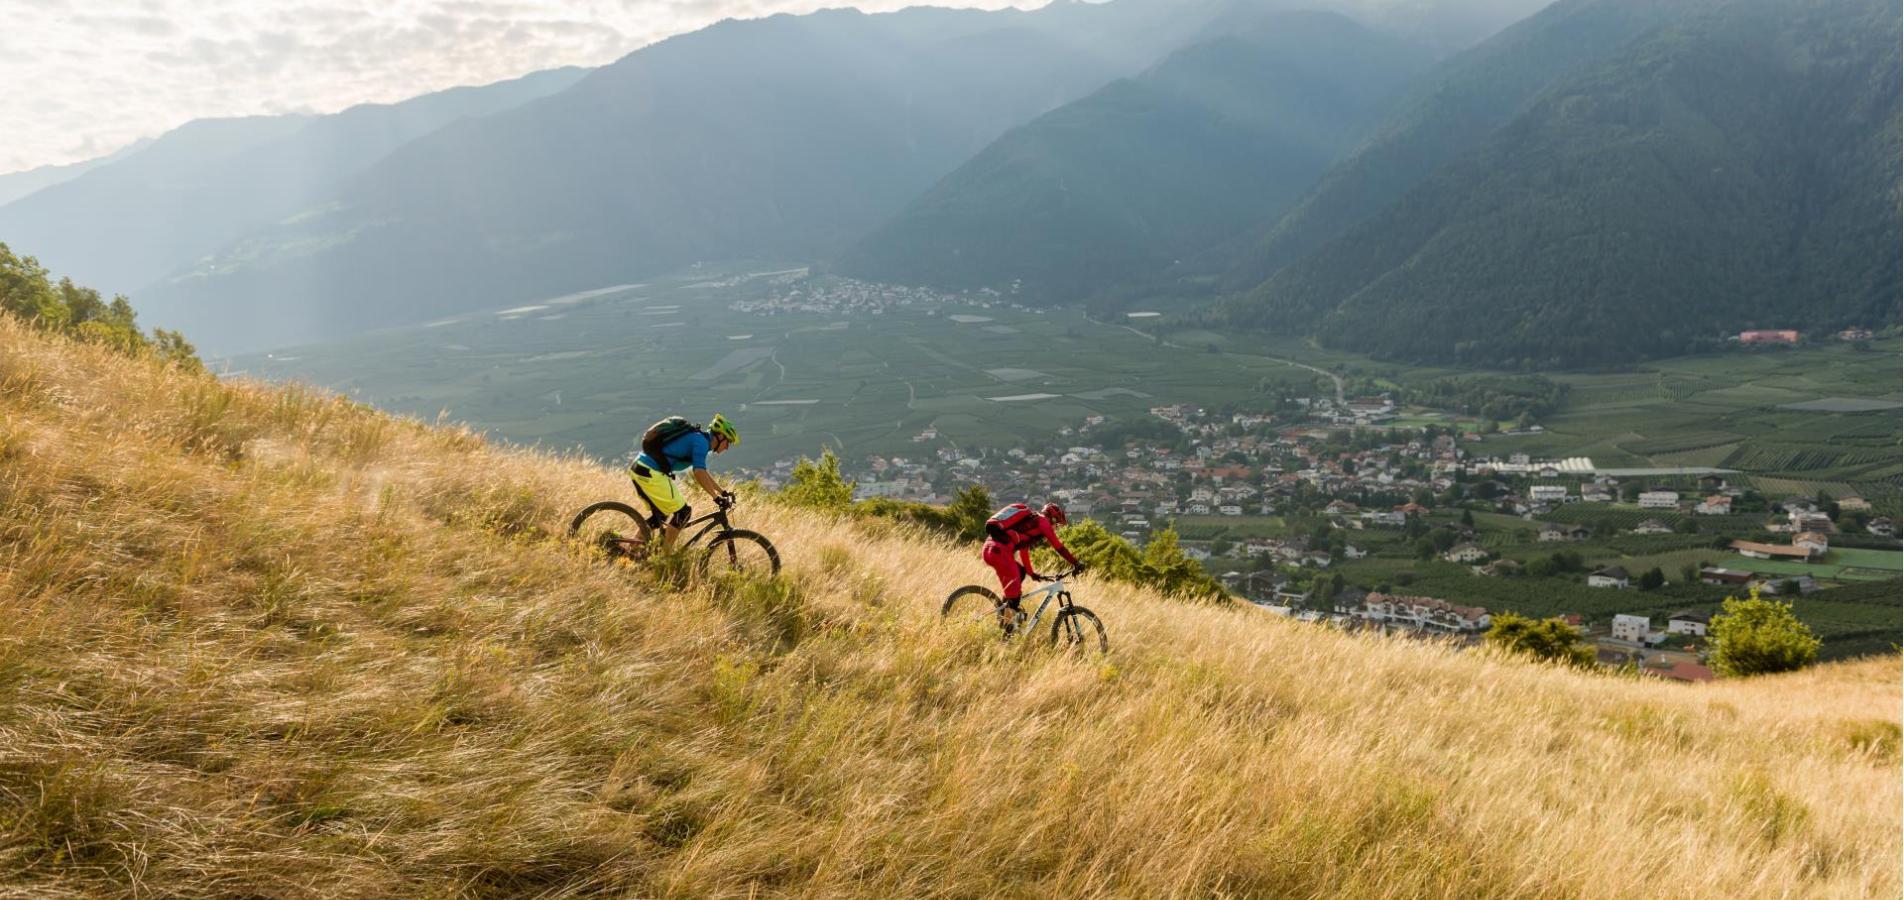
(1055,513)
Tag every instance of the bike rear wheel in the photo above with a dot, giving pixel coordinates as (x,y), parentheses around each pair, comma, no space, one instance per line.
(971,602)
(602,523)
(741,551)
(1077,628)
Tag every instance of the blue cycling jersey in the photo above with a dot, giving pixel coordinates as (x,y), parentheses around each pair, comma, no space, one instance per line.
(687,450)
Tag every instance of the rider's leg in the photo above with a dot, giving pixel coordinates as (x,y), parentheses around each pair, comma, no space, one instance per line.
(675,523)
(1011,580)
(664,500)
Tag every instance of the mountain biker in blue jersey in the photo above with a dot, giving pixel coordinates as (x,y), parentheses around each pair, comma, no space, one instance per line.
(671,445)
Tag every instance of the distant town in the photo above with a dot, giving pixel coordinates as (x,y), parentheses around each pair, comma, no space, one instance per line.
(1367,481)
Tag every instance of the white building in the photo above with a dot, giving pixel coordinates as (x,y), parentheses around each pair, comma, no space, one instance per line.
(1688,622)
(1547,493)
(1631,628)
(1610,577)
(1423,613)
(1466,553)
(1717,505)
(1659,500)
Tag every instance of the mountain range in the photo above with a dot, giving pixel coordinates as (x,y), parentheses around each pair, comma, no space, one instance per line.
(193,190)
(1735,168)
(1493,182)
(1147,169)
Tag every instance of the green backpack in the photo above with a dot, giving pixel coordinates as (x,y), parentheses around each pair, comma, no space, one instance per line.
(659,434)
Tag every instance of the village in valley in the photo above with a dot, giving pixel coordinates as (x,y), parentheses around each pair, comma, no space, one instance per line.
(1348,512)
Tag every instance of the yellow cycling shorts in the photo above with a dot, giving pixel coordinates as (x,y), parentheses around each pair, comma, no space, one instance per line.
(658,489)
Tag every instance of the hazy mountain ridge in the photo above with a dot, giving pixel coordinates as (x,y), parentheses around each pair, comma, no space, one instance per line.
(1117,185)
(1725,172)
(15,185)
(780,137)
(128,223)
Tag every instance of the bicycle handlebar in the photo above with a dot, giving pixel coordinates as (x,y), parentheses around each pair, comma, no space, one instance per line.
(1063,575)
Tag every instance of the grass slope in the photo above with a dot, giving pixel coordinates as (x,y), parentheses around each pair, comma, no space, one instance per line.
(267,642)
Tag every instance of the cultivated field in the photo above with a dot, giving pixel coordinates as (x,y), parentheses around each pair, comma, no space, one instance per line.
(987,376)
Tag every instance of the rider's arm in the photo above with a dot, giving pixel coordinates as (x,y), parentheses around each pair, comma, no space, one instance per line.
(697,457)
(1051,537)
(707,483)
(1024,562)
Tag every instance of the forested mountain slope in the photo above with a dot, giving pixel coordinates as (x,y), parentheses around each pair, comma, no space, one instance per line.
(1734,170)
(1445,113)
(1121,183)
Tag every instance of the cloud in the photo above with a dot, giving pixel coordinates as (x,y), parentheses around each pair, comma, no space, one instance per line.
(102,74)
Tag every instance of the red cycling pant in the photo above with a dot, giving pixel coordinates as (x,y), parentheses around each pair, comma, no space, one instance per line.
(1011,575)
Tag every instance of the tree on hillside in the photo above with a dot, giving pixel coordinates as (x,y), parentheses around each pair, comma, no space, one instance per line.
(1547,640)
(27,290)
(1653,579)
(970,508)
(818,485)
(1175,573)
(1161,565)
(1758,636)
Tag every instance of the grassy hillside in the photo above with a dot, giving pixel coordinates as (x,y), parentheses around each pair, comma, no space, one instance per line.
(266,642)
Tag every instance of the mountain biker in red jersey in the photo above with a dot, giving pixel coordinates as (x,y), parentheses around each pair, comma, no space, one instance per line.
(1012,532)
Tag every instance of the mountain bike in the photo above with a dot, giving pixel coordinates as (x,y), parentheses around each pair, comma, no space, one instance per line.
(618,529)
(1072,627)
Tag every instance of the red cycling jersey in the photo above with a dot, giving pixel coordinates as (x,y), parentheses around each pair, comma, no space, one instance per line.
(1025,531)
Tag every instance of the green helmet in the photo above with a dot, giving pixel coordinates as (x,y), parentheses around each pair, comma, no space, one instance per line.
(720,426)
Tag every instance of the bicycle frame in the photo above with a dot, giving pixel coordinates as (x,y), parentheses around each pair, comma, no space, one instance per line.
(1053,591)
(717,521)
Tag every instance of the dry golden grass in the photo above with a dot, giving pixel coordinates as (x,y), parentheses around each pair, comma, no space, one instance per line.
(263,642)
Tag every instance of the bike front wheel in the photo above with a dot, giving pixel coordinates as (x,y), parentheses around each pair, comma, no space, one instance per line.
(1077,628)
(603,523)
(741,551)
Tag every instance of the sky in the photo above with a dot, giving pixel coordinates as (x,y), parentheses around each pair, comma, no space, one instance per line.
(83,78)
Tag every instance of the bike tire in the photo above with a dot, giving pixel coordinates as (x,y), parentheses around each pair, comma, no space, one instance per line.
(1072,628)
(741,551)
(957,601)
(596,520)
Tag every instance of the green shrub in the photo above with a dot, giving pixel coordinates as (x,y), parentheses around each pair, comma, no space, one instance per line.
(1757,636)
(818,485)
(1548,640)
(27,290)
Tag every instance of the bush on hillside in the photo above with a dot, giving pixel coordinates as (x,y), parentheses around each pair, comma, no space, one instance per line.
(1161,564)
(27,290)
(1547,640)
(1757,636)
(963,519)
(817,484)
